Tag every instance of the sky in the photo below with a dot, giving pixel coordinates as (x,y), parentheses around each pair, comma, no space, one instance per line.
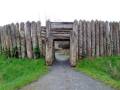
(58,10)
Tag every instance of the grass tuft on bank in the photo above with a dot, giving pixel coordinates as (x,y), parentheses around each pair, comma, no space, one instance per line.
(15,73)
(106,69)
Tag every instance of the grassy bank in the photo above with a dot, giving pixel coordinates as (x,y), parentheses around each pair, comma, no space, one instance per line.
(15,73)
(106,69)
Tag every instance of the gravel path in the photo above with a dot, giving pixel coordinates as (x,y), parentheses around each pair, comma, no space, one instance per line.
(63,77)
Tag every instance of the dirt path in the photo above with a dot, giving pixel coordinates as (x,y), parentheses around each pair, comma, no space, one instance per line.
(63,77)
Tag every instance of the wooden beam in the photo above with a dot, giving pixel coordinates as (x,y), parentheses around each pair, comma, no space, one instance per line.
(49,45)
(74,44)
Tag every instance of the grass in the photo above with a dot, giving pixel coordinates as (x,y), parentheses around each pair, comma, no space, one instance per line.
(106,69)
(15,73)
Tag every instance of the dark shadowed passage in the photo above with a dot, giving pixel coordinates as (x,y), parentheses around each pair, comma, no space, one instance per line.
(62,52)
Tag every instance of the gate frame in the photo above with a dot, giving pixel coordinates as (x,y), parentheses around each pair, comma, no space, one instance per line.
(73,44)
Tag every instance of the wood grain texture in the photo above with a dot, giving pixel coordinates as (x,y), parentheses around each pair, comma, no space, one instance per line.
(28,39)
(22,39)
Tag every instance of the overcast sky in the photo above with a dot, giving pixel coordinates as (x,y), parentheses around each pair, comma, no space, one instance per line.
(58,10)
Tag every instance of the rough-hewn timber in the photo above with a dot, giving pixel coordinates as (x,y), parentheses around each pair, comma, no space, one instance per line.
(87,39)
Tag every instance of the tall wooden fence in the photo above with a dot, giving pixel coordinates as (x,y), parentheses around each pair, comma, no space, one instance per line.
(98,38)
(21,39)
(95,38)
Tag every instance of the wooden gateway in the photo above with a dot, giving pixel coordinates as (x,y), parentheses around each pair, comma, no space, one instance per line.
(58,31)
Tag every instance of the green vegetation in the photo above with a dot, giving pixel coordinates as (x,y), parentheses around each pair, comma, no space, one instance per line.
(15,73)
(106,69)
(36,51)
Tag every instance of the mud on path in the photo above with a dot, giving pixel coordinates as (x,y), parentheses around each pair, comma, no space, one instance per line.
(63,77)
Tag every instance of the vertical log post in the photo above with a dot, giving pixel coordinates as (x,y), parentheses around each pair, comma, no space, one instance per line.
(89,39)
(49,45)
(119,36)
(101,38)
(111,38)
(10,40)
(7,36)
(114,37)
(3,34)
(104,39)
(80,39)
(22,40)
(18,40)
(84,39)
(39,37)
(97,38)
(74,44)
(34,39)
(108,49)
(93,37)
(0,41)
(13,36)
(6,40)
(28,39)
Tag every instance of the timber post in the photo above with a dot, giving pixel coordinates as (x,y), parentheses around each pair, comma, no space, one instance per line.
(49,45)
(74,44)
(28,39)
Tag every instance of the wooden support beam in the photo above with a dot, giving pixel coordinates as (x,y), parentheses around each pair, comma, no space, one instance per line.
(74,44)
(49,45)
